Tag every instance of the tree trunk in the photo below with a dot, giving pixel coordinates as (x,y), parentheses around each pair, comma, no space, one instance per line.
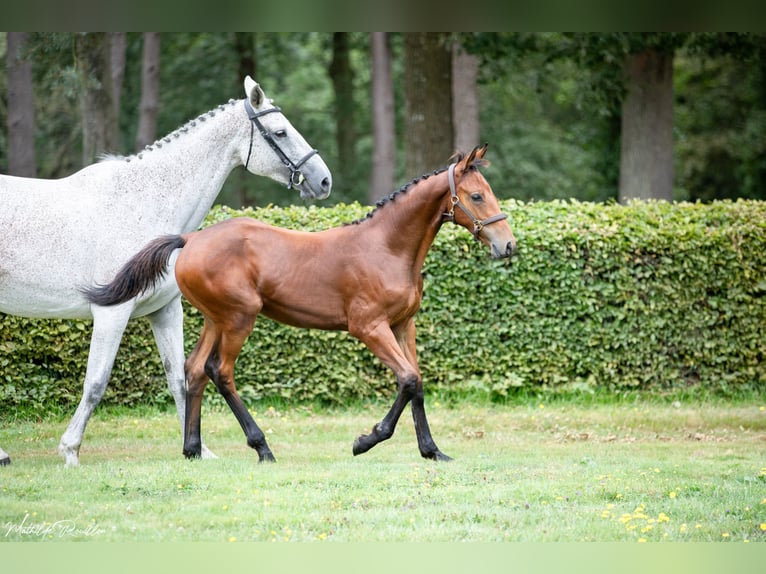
(21,109)
(465,99)
(383,126)
(99,128)
(342,76)
(245,48)
(428,133)
(117,46)
(646,151)
(150,90)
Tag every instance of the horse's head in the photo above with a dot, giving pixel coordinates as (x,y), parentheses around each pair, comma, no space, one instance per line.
(478,209)
(277,150)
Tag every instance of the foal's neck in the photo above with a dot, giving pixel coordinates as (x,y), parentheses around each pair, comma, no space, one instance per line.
(414,218)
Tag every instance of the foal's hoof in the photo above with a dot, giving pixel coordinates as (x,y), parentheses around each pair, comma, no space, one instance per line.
(360,446)
(438,456)
(5,461)
(268,457)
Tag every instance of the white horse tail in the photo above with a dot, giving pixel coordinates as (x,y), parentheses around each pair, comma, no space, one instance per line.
(138,275)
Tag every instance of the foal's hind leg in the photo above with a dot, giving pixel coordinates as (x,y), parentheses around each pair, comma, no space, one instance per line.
(167,326)
(4,458)
(220,368)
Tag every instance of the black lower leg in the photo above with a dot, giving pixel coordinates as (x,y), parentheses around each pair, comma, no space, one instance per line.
(255,437)
(426,444)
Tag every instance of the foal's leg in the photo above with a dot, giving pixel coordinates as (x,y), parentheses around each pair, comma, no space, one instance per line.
(196,381)
(388,348)
(167,326)
(4,458)
(220,368)
(108,325)
(428,449)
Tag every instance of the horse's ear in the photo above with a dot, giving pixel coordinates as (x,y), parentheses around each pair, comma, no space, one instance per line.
(254,92)
(480,151)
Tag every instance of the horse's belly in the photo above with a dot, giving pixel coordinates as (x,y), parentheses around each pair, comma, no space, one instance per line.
(40,303)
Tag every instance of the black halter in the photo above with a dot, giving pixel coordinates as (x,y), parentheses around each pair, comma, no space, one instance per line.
(296,177)
(478,225)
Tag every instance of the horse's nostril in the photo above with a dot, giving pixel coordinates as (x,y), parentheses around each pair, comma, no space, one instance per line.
(510,248)
(326,184)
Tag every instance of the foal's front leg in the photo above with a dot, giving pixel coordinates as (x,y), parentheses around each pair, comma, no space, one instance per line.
(398,353)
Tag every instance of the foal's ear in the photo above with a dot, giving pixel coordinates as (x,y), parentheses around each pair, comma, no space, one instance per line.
(476,155)
(254,92)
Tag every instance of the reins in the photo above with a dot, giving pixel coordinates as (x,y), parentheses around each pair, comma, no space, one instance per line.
(478,224)
(296,177)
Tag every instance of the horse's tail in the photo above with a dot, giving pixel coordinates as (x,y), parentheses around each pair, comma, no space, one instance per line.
(138,275)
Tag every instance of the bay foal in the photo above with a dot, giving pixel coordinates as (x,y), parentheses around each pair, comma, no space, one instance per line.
(363,278)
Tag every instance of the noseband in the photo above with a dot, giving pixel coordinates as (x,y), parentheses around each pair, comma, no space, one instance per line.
(296,177)
(478,224)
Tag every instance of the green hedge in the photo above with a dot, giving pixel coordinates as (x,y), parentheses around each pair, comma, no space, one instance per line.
(649,296)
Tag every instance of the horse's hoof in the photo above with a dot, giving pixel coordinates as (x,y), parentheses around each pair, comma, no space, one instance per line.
(268,457)
(5,461)
(438,456)
(207,453)
(71,455)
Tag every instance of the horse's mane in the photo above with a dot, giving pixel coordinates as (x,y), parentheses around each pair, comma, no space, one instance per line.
(456,157)
(177,133)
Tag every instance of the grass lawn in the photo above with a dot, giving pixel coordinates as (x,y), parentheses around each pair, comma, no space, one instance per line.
(644,471)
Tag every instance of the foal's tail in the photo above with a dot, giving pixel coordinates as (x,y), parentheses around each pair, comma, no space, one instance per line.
(138,275)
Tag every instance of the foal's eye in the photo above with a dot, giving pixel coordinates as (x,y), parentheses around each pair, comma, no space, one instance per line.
(280,133)
(477,198)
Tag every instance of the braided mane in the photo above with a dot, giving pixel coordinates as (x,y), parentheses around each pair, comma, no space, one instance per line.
(177,133)
(456,157)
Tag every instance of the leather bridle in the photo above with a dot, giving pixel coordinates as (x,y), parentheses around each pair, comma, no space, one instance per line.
(478,224)
(296,177)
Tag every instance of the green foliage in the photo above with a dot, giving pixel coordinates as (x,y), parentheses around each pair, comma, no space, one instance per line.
(607,298)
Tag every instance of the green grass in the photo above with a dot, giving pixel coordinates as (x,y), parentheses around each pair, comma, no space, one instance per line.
(532,472)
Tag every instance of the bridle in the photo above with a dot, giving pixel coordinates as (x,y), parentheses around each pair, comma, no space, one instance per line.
(478,224)
(296,177)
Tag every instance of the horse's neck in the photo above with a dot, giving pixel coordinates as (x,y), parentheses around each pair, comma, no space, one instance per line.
(186,169)
(414,218)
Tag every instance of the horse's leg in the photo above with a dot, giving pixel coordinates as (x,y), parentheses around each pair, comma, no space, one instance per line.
(220,368)
(108,325)
(4,458)
(405,335)
(167,326)
(196,381)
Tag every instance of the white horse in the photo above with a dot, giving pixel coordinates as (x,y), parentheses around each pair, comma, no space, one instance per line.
(59,236)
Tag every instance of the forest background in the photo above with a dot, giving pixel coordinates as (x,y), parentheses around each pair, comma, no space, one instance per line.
(590,116)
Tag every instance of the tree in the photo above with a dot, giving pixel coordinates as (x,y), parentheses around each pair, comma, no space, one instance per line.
(342,76)
(465,98)
(383,129)
(150,90)
(99,126)
(117,48)
(21,108)
(428,132)
(646,150)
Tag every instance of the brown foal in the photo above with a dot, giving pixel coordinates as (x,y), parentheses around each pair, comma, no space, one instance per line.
(364,278)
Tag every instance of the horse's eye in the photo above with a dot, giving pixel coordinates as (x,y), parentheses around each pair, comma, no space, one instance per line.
(280,133)
(477,198)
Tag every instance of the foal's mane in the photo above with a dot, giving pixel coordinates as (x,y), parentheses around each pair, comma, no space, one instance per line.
(381,203)
(174,135)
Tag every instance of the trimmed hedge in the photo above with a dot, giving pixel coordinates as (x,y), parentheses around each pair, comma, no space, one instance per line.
(650,296)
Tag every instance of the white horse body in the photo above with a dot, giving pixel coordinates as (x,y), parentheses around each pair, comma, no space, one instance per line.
(58,236)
